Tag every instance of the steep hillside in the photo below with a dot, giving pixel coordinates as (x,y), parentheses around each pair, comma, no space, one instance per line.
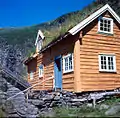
(18,43)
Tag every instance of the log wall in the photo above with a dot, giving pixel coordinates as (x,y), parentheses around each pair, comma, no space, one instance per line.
(93,44)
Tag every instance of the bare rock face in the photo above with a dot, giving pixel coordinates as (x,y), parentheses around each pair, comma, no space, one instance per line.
(3,84)
(12,57)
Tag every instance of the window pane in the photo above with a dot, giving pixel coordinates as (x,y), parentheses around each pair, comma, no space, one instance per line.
(108,22)
(108,30)
(101,28)
(105,25)
(101,21)
(70,62)
(105,21)
(66,64)
(41,70)
(31,75)
(105,29)
(101,58)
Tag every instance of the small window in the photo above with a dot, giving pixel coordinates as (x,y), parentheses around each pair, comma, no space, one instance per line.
(107,63)
(41,70)
(105,25)
(39,45)
(31,75)
(68,63)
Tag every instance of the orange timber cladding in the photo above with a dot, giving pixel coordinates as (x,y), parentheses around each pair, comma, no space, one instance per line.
(89,47)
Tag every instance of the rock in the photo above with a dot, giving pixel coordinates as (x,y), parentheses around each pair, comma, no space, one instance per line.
(79,100)
(9,108)
(89,105)
(113,110)
(67,99)
(32,110)
(15,115)
(47,98)
(103,106)
(56,98)
(3,97)
(3,84)
(54,104)
(77,104)
(36,102)
(31,116)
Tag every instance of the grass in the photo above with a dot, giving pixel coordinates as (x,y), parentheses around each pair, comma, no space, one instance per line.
(2,114)
(84,111)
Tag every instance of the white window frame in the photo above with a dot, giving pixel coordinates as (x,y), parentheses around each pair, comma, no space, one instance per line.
(111,25)
(69,70)
(41,71)
(107,69)
(31,75)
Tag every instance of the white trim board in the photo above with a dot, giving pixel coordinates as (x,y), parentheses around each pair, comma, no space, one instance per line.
(41,36)
(92,17)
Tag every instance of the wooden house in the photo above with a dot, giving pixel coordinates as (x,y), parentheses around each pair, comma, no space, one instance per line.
(85,58)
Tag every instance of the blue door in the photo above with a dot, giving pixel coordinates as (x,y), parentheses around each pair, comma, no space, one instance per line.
(58,72)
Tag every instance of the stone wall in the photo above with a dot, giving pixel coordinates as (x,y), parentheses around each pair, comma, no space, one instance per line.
(40,102)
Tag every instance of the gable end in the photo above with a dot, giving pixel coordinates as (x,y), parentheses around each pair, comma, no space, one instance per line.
(92,17)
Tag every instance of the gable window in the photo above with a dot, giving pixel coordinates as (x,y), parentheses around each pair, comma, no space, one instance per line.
(39,45)
(68,63)
(105,25)
(31,75)
(41,70)
(107,63)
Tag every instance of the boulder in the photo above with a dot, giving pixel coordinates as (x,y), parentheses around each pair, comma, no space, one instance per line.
(113,110)
(9,108)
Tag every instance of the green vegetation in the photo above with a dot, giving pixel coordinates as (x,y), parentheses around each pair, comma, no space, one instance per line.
(25,36)
(2,114)
(79,112)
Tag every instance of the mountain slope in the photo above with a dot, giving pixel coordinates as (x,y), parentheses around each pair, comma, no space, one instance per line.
(18,43)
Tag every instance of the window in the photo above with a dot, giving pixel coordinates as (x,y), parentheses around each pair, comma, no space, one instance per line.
(31,75)
(68,63)
(39,45)
(41,70)
(105,25)
(107,63)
